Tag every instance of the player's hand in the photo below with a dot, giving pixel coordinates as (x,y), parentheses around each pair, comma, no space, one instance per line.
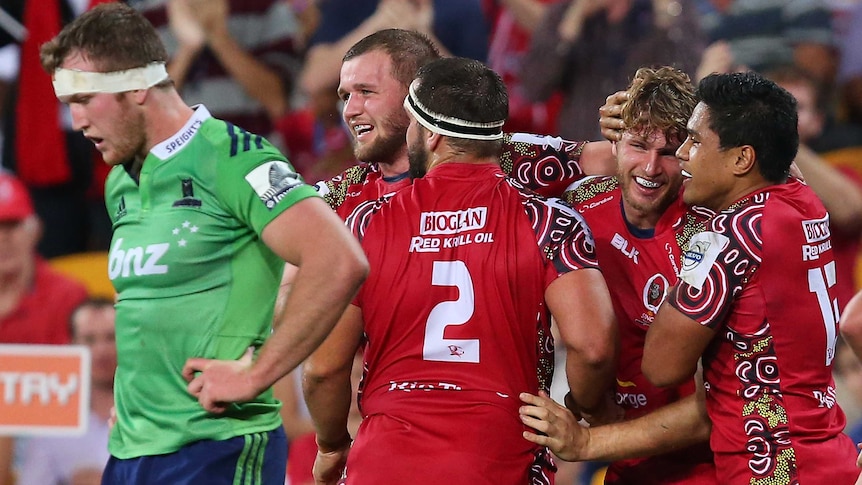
(559,428)
(219,383)
(212,16)
(610,116)
(329,466)
(112,417)
(716,58)
(184,25)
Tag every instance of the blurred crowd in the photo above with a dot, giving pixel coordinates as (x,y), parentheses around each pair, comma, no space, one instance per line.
(272,67)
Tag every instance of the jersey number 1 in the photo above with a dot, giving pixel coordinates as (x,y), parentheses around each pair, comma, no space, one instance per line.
(446,313)
(819,281)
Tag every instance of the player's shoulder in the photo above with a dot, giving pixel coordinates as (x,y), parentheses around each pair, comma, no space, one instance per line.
(232,142)
(360,218)
(591,192)
(336,189)
(741,217)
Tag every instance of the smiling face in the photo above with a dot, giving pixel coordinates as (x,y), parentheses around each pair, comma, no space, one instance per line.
(649,175)
(708,177)
(373,109)
(111,121)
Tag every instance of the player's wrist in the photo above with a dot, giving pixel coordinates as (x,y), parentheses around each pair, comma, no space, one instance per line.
(340,443)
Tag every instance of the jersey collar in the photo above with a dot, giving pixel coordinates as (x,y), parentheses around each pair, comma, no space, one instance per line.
(174,143)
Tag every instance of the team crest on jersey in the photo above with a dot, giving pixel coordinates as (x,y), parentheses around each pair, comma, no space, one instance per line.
(655,291)
(703,250)
(272,181)
(188,191)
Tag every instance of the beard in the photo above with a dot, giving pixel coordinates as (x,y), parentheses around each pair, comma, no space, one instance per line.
(654,206)
(385,148)
(418,159)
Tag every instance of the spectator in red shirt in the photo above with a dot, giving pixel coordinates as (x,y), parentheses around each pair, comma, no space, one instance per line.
(35,301)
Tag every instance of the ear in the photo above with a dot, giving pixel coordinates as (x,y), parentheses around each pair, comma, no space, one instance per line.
(138,96)
(746,160)
(432,140)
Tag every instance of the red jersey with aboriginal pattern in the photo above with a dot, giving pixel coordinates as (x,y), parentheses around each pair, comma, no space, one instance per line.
(639,267)
(763,276)
(456,326)
(544,164)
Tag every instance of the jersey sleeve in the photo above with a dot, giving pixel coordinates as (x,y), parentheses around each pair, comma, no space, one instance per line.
(562,235)
(544,164)
(258,185)
(334,191)
(716,266)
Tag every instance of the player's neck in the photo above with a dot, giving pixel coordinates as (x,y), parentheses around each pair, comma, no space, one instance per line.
(449,157)
(395,168)
(164,118)
(741,190)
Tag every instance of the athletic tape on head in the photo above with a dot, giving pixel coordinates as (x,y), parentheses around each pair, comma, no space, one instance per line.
(68,82)
(446,125)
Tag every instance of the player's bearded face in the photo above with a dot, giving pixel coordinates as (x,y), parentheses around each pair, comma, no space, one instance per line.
(385,147)
(417,156)
(649,174)
(129,141)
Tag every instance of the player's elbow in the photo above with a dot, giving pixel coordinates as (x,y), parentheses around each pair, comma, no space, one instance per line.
(350,267)
(318,372)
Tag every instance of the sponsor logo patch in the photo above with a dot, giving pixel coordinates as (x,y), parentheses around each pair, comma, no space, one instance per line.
(703,250)
(452,222)
(816,230)
(272,181)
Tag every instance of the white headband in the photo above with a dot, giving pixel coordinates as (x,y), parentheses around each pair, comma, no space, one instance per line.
(68,82)
(446,125)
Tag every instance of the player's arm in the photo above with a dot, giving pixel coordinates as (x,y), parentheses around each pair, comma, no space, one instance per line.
(673,347)
(598,158)
(327,390)
(581,306)
(330,267)
(851,324)
(676,425)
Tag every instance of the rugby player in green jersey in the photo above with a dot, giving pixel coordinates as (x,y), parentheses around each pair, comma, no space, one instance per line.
(204,216)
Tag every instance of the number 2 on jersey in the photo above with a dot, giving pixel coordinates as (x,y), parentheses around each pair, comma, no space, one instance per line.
(819,281)
(447,313)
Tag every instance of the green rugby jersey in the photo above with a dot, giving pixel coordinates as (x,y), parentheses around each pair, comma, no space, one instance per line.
(194,278)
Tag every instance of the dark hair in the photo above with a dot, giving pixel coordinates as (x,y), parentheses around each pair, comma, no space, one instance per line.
(468,90)
(96,302)
(745,108)
(113,36)
(660,99)
(408,50)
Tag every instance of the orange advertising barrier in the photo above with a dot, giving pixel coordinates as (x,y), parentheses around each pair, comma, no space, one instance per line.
(44,389)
